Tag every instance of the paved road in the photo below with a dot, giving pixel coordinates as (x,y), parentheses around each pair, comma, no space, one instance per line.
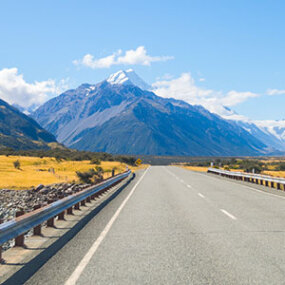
(173,226)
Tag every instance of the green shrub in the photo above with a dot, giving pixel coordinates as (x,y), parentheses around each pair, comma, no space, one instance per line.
(95,160)
(281,166)
(86,176)
(91,176)
(17,164)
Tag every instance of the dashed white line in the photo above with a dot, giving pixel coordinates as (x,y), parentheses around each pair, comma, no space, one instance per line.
(189,186)
(85,260)
(201,195)
(228,214)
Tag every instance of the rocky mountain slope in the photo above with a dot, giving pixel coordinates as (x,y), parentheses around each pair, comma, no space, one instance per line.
(19,131)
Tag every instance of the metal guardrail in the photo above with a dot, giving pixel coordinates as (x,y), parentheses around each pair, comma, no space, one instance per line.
(251,177)
(21,225)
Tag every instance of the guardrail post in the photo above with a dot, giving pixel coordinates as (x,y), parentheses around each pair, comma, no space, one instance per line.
(19,240)
(83,202)
(77,206)
(88,199)
(69,211)
(1,258)
(38,229)
(50,222)
(278,186)
(61,215)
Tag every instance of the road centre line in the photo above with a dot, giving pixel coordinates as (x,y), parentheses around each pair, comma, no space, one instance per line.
(228,214)
(175,176)
(86,259)
(201,195)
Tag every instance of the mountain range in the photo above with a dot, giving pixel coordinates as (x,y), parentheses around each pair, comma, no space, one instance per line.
(120,115)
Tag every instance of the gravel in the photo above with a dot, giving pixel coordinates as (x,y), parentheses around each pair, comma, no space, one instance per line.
(12,201)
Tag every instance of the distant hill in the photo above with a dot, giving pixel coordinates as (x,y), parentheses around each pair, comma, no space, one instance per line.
(19,131)
(116,116)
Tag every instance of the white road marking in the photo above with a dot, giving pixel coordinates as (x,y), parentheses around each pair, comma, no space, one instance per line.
(189,186)
(86,259)
(228,214)
(201,195)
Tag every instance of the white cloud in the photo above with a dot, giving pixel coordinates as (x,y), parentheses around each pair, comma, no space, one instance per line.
(15,90)
(275,92)
(233,98)
(138,56)
(184,88)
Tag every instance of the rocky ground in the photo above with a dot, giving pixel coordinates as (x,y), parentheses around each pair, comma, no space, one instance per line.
(12,201)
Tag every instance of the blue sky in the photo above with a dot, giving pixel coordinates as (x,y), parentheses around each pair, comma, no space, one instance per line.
(224,45)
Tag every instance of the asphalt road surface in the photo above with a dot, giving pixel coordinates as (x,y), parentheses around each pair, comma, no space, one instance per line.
(173,226)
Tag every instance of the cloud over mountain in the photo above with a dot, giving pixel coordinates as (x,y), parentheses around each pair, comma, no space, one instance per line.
(184,88)
(15,90)
(136,56)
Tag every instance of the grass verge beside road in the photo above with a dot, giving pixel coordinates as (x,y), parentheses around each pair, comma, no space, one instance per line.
(33,171)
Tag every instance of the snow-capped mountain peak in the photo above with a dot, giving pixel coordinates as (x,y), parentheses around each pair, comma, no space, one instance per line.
(128,77)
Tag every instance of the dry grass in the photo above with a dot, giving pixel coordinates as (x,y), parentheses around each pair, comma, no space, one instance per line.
(275,173)
(35,171)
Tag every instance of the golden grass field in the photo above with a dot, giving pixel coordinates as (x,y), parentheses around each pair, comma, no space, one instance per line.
(34,171)
(275,173)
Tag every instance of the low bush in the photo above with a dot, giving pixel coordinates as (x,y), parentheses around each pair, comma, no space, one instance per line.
(17,164)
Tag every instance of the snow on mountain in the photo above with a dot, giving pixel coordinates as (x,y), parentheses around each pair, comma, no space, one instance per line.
(275,128)
(270,132)
(128,77)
